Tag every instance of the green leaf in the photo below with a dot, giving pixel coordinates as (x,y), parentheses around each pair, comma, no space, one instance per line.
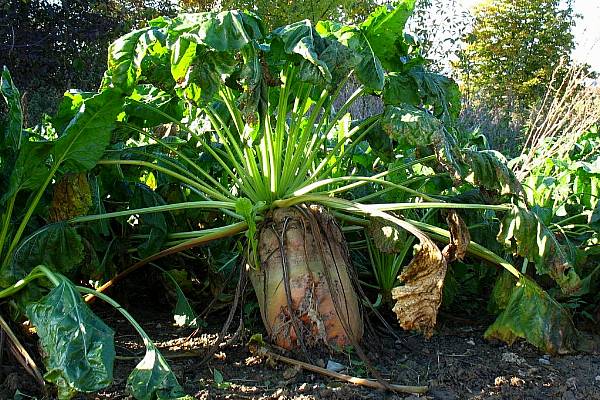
(69,107)
(301,39)
(358,55)
(154,223)
(152,378)
(57,246)
(501,292)
(183,314)
(533,315)
(125,58)
(84,140)
(387,236)
(523,231)
(383,29)
(12,135)
(78,347)
(217,376)
(401,89)
(30,170)
(223,31)
(158,99)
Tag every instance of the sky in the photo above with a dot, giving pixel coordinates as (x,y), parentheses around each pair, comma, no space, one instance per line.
(586,31)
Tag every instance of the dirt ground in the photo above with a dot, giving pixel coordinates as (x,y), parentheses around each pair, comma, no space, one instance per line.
(456,363)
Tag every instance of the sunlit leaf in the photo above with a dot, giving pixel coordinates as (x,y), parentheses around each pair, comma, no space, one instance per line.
(152,379)
(84,140)
(383,29)
(523,231)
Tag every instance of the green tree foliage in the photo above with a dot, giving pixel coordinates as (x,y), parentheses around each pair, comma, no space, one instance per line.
(514,48)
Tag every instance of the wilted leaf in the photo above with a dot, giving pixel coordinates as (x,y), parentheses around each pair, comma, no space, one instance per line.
(301,39)
(501,292)
(523,231)
(152,378)
(360,55)
(418,300)
(78,347)
(411,127)
(488,169)
(459,237)
(533,315)
(72,197)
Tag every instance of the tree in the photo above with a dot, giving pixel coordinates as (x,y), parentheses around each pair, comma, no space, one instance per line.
(51,46)
(440,26)
(514,48)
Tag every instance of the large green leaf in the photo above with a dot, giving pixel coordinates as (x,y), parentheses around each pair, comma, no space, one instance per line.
(125,57)
(419,87)
(31,169)
(69,107)
(523,231)
(152,378)
(401,88)
(223,31)
(58,246)
(383,29)
(12,135)
(533,315)
(78,347)
(358,56)
(84,140)
(302,40)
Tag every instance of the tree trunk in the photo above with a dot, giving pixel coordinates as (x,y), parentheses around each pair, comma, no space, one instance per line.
(305,268)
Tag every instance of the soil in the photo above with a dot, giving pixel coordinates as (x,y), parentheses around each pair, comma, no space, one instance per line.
(456,363)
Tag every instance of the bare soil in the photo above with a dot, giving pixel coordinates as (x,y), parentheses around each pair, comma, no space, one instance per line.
(456,363)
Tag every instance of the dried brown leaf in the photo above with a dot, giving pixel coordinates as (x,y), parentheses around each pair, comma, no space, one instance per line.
(418,300)
(459,237)
(72,197)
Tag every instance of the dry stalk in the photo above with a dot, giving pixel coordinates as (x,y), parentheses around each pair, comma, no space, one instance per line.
(21,354)
(569,109)
(261,350)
